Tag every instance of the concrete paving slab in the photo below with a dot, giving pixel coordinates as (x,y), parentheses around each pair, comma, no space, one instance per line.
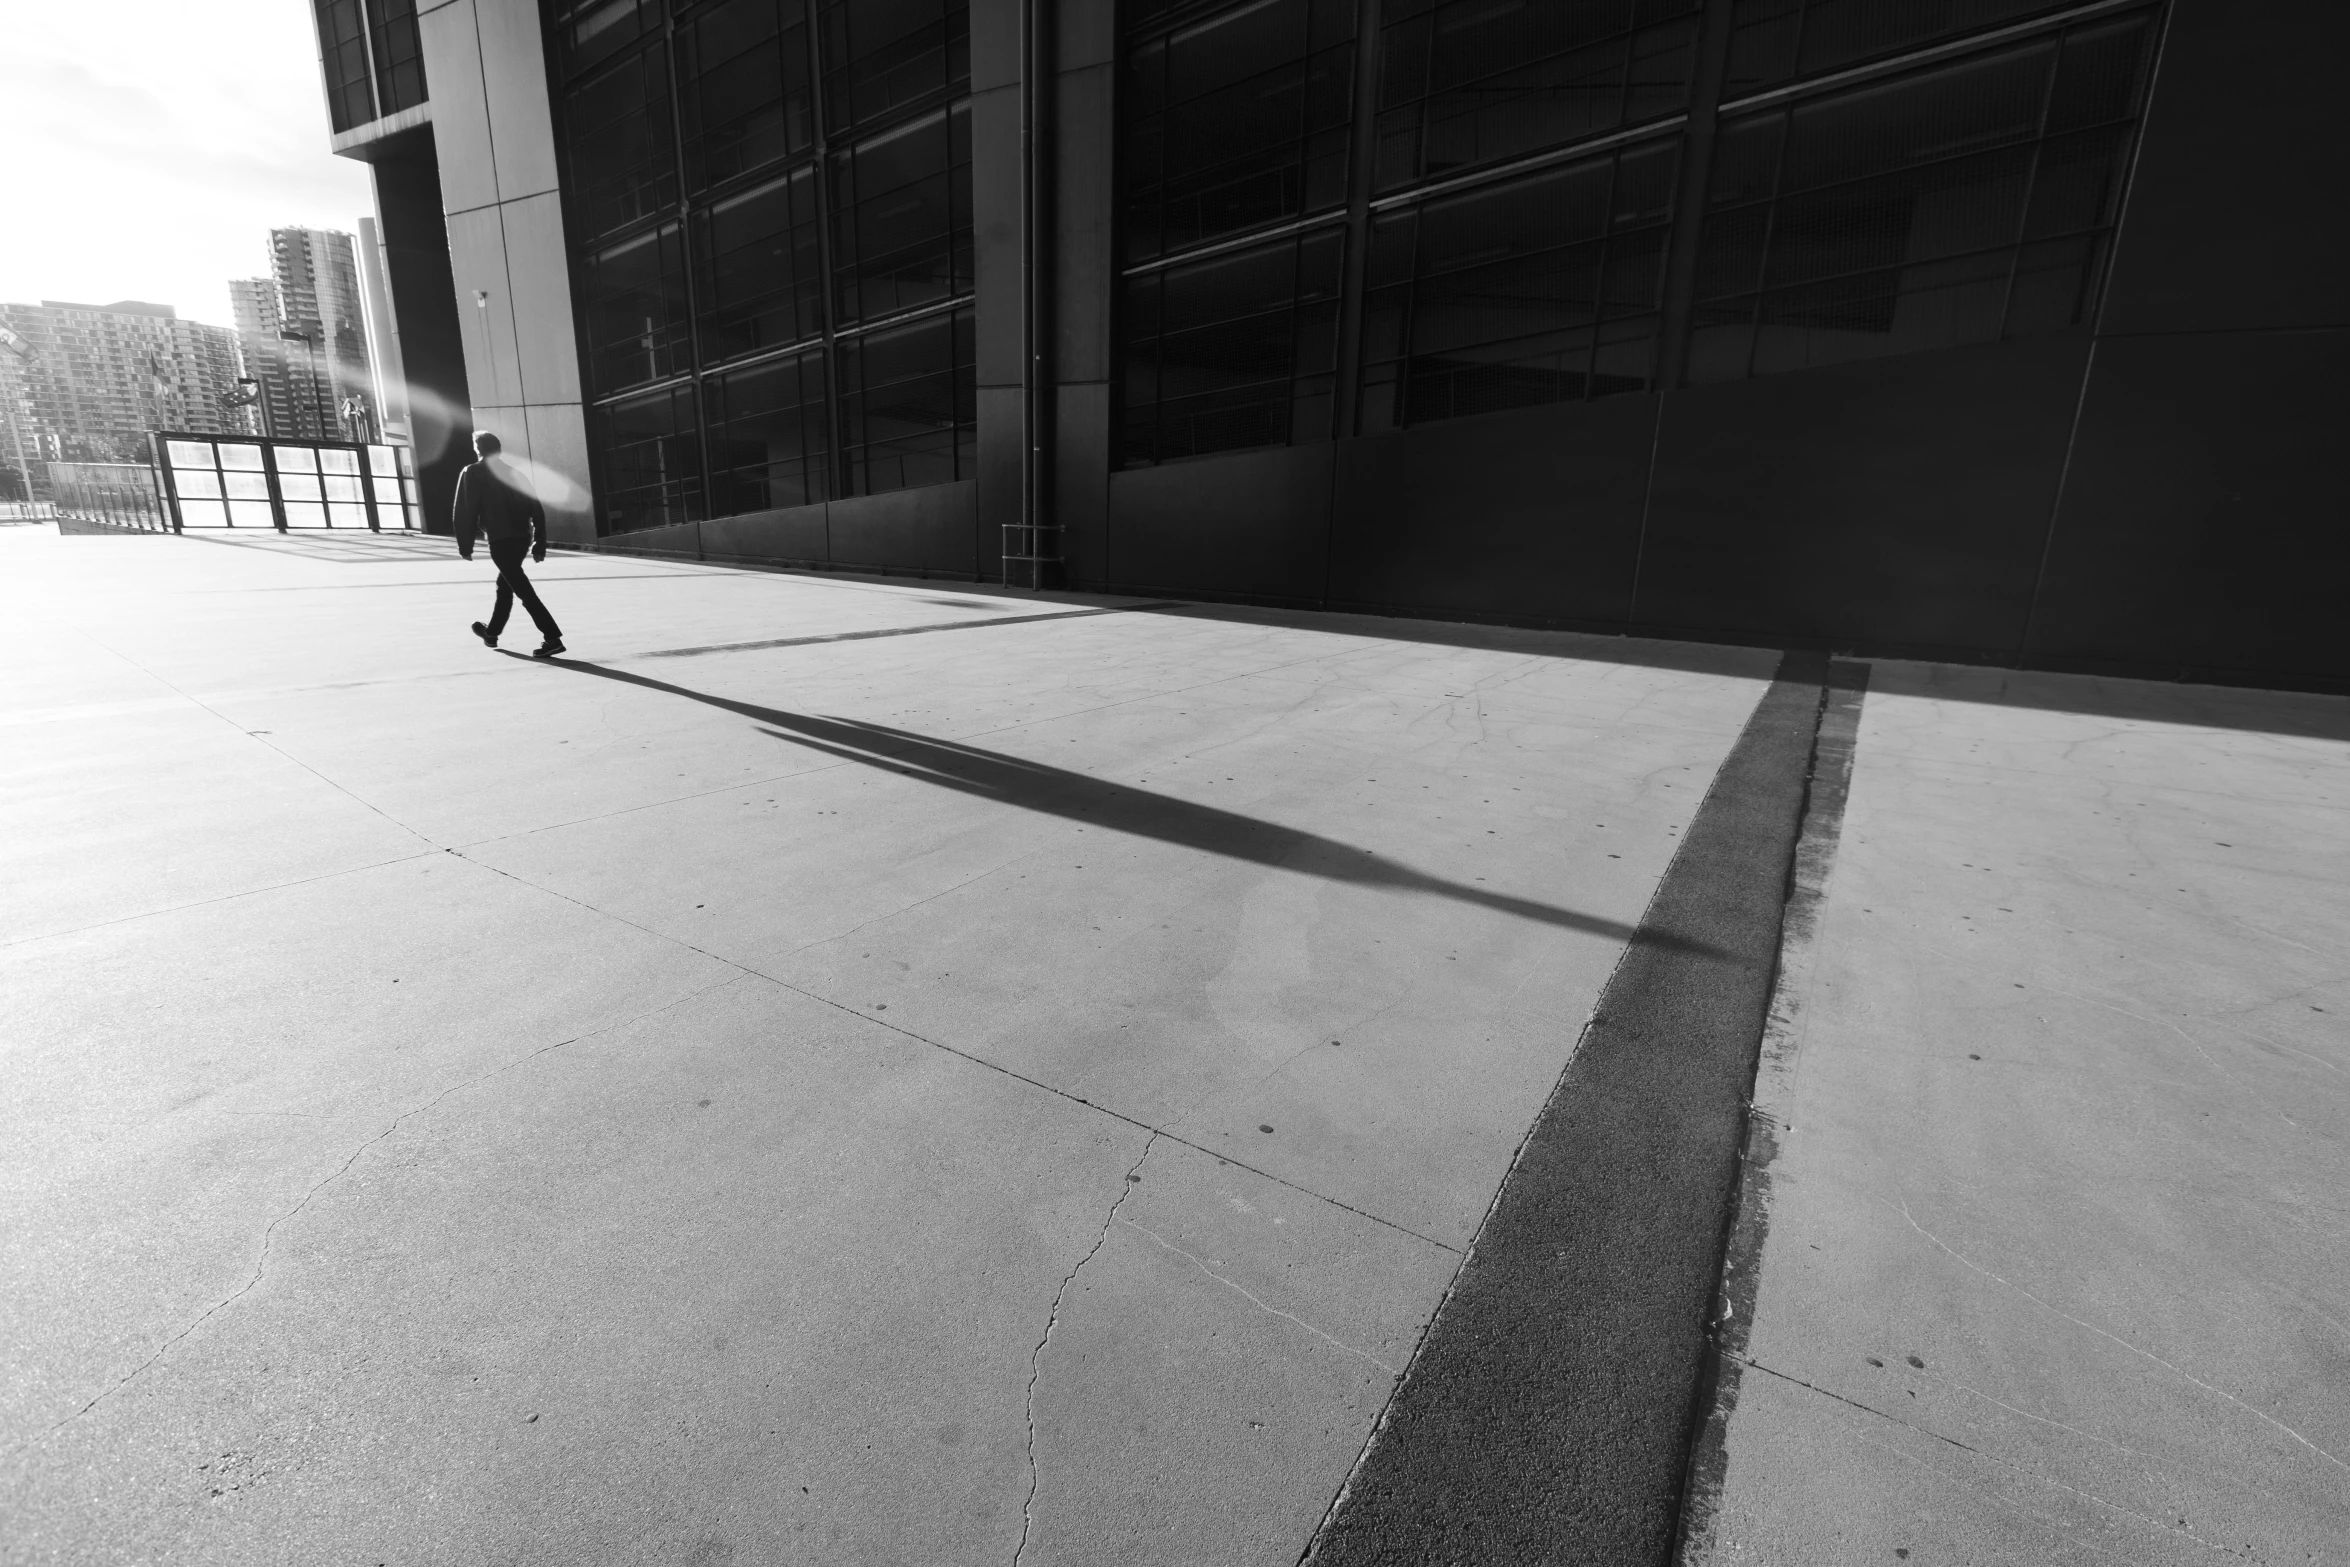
(2055,1233)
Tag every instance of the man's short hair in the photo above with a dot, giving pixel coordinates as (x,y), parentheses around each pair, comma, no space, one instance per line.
(486,443)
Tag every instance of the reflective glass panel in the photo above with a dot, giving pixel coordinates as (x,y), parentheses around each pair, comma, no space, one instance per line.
(1464,82)
(295,459)
(298,487)
(334,459)
(305,516)
(762,277)
(651,460)
(202,514)
(1235,122)
(768,441)
(251,514)
(623,155)
(1957,204)
(233,455)
(908,405)
(246,486)
(902,216)
(197,483)
(634,302)
(188,454)
(343,487)
(343,515)
(1233,352)
(883,57)
(379,459)
(385,491)
(743,88)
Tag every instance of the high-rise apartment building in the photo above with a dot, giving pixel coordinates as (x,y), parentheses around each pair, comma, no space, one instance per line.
(304,327)
(100,378)
(2006,330)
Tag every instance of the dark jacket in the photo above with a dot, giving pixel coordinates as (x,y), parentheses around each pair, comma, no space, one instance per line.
(496,502)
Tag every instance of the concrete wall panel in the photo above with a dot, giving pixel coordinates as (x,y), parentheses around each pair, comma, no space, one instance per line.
(2202,523)
(1081,480)
(1893,503)
(540,302)
(460,113)
(514,70)
(792,533)
(1527,515)
(1252,525)
(2235,215)
(558,445)
(485,308)
(929,529)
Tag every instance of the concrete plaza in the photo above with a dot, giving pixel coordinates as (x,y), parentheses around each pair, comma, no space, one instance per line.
(841,1071)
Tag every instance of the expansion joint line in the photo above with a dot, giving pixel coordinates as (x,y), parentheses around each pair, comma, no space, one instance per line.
(1052,1321)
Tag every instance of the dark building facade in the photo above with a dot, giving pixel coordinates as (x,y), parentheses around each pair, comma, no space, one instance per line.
(1977,329)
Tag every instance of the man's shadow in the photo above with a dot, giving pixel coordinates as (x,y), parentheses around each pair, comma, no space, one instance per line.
(1140,813)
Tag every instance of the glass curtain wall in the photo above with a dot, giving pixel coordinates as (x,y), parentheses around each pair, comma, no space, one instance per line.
(373,59)
(1498,228)
(770,209)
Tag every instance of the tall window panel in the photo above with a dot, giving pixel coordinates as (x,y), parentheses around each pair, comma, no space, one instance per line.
(633,306)
(769,445)
(1544,289)
(751,299)
(1774,41)
(1235,351)
(901,205)
(652,467)
(342,44)
(760,274)
(743,88)
(885,57)
(623,150)
(399,56)
(1233,120)
(1958,204)
(909,411)
(1467,82)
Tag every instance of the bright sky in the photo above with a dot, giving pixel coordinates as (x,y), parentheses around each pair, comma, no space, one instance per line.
(153,144)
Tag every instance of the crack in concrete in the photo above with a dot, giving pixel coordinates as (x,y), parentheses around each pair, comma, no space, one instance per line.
(269,1235)
(1902,1207)
(1053,1320)
(1339,1344)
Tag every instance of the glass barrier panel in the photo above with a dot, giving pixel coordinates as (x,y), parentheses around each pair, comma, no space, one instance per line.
(407,461)
(301,515)
(379,459)
(334,460)
(299,487)
(203,514)
(198,484)
(250,514)
(347,516)
(246,486)
(296,459)
(189,454)
(236,455)
(415,516)
(385,491)
(339,488)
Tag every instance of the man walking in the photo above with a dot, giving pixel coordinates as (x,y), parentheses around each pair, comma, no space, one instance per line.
(497,503)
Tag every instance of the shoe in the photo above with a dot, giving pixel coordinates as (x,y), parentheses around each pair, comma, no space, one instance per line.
(554,646)
(483,632)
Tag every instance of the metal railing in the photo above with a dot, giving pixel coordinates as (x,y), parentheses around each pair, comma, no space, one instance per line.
(111,494)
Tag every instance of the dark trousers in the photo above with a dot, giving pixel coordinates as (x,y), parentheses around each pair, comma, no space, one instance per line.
(512,584)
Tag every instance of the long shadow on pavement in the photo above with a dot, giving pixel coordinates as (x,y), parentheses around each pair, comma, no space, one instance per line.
(1140,813)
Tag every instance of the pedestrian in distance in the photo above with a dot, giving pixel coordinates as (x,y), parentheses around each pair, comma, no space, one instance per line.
(495,502)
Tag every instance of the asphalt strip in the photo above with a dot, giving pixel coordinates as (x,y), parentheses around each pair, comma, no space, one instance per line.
(1549,1411)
